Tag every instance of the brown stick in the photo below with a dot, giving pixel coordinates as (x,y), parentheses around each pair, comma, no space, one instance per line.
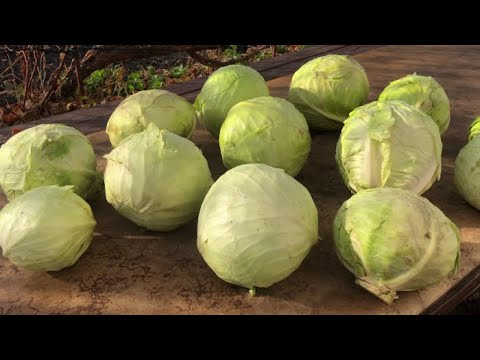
(78,76)
(52,84)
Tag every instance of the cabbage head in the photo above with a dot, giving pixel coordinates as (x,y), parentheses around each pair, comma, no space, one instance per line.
(425,94)
(265,130)
(165,109)
(49,154)
(256,226)
(327,89)
(157,179)
(389,144)
(474,128)
(46,229)
(394,240)
(467,172)
(225,88)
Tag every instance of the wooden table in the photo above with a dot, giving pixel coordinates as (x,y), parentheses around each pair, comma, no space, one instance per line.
(133,271)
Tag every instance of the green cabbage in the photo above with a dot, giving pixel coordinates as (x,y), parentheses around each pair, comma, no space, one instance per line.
(46,229)
(157,179)
(467,172)
(226,87)
(389,144)
(394,240)
(256,226)
(327,88)
(50,154)
(167,110)
(474,128)
(424,93)
(265,130)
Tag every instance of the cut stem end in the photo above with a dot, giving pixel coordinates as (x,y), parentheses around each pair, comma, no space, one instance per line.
(380,291)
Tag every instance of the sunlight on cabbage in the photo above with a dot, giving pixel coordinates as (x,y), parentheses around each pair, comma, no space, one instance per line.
(467,172)
(46,229)
(50,154)
(425,94)
(327,88)
(265,130)
(225,88)
(394,240)
(256,226)
(157,179)
(389,144)
(166,110)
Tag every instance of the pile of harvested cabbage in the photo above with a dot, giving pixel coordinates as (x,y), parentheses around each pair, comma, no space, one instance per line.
(256,223)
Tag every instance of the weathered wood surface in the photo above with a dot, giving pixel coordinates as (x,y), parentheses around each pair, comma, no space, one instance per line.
(92,120)
(128,270)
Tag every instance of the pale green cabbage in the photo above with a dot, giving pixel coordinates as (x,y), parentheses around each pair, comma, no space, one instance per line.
(266,130)
(46,229)
(256,226)
(389,144)
(165,109)
(226,87)
(327,88)
(157,179)
(467,172)
(425,94)
(50,154)
(394,240)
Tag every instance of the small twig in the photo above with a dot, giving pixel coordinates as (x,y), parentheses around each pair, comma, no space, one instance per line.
(216,64)
(28,75)
(10,66)
(78,75)
(13,72)
(52,83)
(42,74)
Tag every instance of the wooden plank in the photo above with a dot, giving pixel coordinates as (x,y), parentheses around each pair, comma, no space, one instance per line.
(129,270)
(458,293)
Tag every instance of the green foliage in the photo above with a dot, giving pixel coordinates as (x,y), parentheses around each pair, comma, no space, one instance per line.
(113,81)
(178,71)
(282,49)
(232,52)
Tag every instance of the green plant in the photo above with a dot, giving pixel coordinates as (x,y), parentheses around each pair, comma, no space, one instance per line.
(178,71)
(394,240)
(389,144)
(256,226)
(425,94)
(48,154)
(265,130)
(262,55)
(156,82)
(46,229)
(282,49)
(327,88)
(232,52)
(95,81)
(164,109)
(225,88)
(135,82)
(157,179)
